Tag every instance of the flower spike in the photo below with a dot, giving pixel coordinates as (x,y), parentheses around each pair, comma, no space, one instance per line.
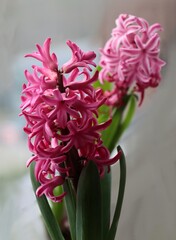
(61,111)
(130,58)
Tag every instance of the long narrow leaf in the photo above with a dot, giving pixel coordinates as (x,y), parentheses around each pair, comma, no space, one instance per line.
(88,210)
(48,217)
(106,202)
(70,202)
(115,221)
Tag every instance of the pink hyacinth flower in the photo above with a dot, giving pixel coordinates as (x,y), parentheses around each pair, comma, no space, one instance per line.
(60,106)
(130,58)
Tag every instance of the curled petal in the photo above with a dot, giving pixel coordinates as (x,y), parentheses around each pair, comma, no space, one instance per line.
(79,58)
(43,55)
(48,188)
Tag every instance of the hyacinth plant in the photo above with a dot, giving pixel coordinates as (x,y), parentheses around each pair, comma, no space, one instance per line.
(75,115)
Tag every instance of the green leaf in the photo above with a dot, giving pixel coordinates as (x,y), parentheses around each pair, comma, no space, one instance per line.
(70,202)
(106,202)
(48,217)
(88,209)
(115,221)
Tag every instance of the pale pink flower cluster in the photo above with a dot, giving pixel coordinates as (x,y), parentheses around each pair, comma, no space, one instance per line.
(130,58)
(60,107)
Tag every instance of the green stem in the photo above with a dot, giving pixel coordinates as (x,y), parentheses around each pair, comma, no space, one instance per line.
(48,217)
(58,208)
(122,118)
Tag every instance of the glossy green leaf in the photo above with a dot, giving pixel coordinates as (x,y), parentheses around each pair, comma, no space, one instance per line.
(70,202)
(106,202)
(88,208)
(48,217)
(115,221)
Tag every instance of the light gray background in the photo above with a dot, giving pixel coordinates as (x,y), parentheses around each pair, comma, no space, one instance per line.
(149,211)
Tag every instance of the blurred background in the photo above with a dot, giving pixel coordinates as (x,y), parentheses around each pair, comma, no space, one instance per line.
(149,211)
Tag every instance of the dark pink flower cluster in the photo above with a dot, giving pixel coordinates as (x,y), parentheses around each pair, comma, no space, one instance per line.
(60,107)
(130,58)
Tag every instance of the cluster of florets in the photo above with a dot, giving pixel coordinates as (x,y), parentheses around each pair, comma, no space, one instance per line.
(60,107)
(130,58)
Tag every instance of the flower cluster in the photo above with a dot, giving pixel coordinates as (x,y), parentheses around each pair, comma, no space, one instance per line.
(130,58)
(60,107)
